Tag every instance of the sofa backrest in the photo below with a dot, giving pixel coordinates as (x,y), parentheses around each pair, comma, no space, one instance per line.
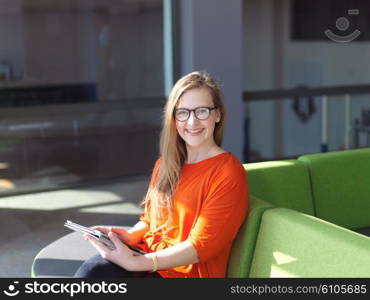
(292,244)
(283,183)
(341,186)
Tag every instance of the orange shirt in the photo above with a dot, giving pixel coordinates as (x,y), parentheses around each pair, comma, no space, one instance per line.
(210,204)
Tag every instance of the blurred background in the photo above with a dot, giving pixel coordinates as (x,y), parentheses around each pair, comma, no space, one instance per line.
(83,84)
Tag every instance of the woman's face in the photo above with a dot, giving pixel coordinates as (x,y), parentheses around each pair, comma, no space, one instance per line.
(197,133)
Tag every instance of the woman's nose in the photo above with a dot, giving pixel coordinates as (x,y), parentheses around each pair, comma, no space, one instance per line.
(192,119)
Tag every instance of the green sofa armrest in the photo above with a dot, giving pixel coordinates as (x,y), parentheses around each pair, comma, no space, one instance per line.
(243,246)
(292,244)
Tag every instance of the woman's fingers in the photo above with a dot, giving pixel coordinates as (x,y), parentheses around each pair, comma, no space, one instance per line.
(114,238)
(120,256)
(102,229)
(107,229)
(97,244)
(122,251)
(122,233)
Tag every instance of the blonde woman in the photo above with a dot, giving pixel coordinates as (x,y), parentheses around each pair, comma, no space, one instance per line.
(196,200)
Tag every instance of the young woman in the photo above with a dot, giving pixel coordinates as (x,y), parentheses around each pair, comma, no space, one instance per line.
(196,200)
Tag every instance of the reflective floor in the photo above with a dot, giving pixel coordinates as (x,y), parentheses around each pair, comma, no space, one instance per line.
(29,222)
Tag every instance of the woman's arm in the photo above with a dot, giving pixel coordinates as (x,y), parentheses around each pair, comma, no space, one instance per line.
(180,254)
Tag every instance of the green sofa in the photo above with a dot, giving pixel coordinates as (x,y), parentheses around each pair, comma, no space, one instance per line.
(301,222)
(326,198)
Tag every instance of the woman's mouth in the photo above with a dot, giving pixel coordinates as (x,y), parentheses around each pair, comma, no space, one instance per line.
(194,132)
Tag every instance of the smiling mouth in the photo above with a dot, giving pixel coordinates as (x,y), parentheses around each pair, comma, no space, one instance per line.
(194,132)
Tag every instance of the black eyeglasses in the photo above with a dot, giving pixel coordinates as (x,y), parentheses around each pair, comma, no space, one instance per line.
(201,113)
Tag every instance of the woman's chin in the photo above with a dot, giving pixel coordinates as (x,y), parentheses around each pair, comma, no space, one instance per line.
(194,143)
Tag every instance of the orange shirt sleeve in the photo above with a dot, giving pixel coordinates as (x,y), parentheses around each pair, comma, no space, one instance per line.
(223,211)
(144,215)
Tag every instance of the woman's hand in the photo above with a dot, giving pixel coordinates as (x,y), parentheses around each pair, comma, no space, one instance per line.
(121,233)
(180,254)
(121,256)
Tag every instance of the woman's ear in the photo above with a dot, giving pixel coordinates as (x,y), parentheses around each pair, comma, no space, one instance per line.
(218,116)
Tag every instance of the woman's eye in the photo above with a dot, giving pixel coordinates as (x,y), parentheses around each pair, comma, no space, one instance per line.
(182,113)
(202,112)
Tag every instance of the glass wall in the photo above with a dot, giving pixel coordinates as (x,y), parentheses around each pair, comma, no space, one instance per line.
(81,91)
(292,44)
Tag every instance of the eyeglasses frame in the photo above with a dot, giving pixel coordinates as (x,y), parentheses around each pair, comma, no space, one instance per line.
(193,110)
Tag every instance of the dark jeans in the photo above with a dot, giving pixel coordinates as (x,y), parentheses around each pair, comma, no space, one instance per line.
(98,267)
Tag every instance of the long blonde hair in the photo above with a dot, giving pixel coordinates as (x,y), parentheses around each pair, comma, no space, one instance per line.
(173,150)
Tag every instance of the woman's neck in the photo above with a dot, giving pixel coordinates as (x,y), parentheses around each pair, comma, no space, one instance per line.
(197,155)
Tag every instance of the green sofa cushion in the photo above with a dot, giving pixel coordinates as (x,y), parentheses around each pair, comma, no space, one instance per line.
(283,183)
(292,244)
(241,255)
(341,186)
